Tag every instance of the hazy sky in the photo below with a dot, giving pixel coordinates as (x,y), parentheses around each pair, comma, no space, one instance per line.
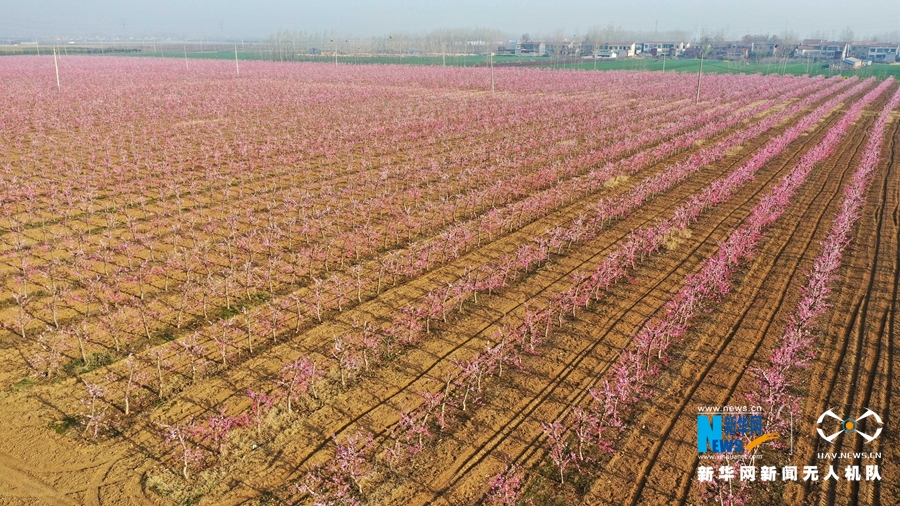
(259,18)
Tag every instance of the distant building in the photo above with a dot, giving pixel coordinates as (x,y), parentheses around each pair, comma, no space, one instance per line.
(691,52)
(737,53)
(670,49)
(860,49)
(886,53)
(805,51)
(763,48)
(878,52)
(531,49)
(852,62)
(623,49)
(507,48)
(822,49)
(837,50)
(572,48)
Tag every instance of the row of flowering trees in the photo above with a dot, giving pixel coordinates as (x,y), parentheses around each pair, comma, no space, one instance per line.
(194,442)
(630,376)
(213,267)
(774,382)
(641,363)
(199,276)
(464,386)
(354,353)
(795,345)
(188,448)
(214,273)
(462,390)
(350,352)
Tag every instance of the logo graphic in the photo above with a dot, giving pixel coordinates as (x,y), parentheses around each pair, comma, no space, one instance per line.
(848,425)
(723,433)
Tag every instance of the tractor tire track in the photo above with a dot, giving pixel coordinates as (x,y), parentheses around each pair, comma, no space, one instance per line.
(15,474)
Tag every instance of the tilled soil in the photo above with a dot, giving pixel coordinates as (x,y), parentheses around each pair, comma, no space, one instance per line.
(655,460)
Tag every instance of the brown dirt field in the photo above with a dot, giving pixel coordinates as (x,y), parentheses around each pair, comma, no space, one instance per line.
(381,389)
(386,398)
(47,457)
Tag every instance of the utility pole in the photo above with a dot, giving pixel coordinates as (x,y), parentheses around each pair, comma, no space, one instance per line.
(699,74)
(492,72)
(55,64)
(184,46)
(236,67)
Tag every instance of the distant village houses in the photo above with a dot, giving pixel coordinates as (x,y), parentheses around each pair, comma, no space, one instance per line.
(600,50)
(819,50)
(864,51)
